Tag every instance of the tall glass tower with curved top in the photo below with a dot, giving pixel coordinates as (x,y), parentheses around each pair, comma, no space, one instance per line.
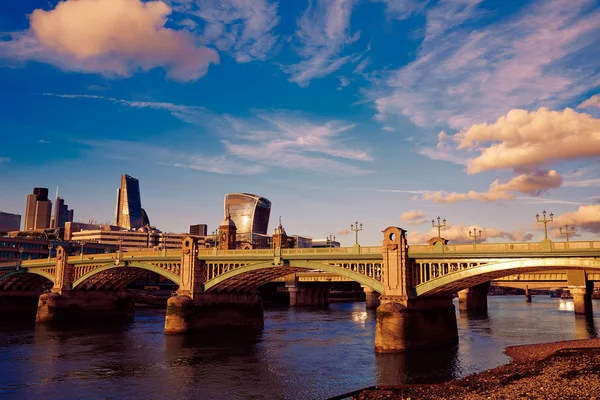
(250,214)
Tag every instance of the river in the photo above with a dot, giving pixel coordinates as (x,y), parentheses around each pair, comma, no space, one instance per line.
(301,354)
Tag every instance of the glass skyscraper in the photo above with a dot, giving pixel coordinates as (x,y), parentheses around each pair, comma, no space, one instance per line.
(250,214)
(129,213)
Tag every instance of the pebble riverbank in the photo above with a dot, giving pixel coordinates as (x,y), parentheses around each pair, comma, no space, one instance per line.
(561,370)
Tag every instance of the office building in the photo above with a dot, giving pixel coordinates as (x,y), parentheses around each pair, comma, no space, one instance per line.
(250,213)
(322,243)
(129,214)
(62,214)
(198,229)
(38,210)
(9,222)
(134,240)
(302,242)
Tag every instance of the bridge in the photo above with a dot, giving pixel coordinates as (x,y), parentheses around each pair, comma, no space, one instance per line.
(413,285)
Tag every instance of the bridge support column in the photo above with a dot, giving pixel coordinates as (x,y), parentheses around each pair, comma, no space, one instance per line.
(420,323)
(214,310)
(65,305)
(582,290)
(76,306)
(405,322)
(474,298)
(193,309)
(582,299)
(371,297)
(528,297)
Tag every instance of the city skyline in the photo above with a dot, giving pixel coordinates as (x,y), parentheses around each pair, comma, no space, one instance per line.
(387,113)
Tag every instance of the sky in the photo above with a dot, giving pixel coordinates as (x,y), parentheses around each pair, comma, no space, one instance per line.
(381,112)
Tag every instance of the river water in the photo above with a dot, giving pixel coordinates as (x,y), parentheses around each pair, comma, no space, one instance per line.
(301,354)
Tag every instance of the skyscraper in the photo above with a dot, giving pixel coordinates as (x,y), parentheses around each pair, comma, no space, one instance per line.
(62,214)
(250,214)
(38,210)
(129,213)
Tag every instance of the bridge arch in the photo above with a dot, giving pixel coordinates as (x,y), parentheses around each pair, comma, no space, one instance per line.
(456,281)
(126,266)
(24,279)
(276,271)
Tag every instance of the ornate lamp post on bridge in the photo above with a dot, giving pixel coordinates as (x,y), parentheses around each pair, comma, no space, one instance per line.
(474,235)
(330,240)
(545,222)
(20,260)
(355,228)
(568,232)
(50,247)
(215,235)
(81,244)
(439,227)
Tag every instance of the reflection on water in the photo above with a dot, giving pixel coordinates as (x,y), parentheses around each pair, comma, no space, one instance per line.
(566,305)
(302,353)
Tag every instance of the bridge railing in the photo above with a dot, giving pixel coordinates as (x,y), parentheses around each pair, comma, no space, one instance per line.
(507,247)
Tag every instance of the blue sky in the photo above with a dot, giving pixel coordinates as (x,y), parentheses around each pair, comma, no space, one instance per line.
(389,112)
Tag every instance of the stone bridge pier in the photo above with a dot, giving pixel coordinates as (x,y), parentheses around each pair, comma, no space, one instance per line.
(306,296)
(193,309)
(63,304)
(474,299)
(405,322)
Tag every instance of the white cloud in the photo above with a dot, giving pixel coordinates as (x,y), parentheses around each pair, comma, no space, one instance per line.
(465,75)
(586,218)
(344,82)
(190,114)
(443,151)
(244,28)
(323,31)
(531,139)
(448,14)
(592,102)
(460,234)
(118,37)
(414,217)
(402,9)
(533,183)
(291,141)
(271,139)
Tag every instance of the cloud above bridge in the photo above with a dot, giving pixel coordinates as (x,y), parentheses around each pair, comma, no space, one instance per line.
(414,217)
(522,139)
(116,37)
(533,183)
(460,234)
(585,218)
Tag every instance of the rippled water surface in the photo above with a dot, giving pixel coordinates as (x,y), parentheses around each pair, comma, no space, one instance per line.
(301,354)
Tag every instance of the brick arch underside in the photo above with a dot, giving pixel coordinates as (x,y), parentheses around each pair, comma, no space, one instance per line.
(111,277)
(251,277)
(464,279)
(24,282)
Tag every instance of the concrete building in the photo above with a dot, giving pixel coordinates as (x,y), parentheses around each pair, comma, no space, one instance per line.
(198,230)
(129,214)
(133,240)
(38,210)
(9,222)
(322,243)
(62,214)
(302,242)
(250,213)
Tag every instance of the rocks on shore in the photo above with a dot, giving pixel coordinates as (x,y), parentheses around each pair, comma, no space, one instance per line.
(561,370)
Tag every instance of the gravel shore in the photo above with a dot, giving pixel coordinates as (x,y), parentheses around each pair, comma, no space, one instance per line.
(560,370)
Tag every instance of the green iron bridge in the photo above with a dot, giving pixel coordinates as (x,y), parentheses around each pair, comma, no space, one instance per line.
(433,269)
